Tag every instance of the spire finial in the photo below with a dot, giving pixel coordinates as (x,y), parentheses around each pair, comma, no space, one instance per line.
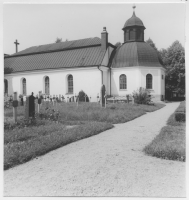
(134,9)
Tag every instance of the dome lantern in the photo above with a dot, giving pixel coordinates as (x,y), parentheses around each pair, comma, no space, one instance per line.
(134,29)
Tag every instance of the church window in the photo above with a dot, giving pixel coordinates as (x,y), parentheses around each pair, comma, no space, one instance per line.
(70,84)
(122,82)
(24,86)
(5,86)
(47,85)
(148,81)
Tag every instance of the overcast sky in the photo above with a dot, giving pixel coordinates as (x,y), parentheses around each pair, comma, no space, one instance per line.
(34,25)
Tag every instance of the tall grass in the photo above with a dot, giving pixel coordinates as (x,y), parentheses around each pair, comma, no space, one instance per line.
(114,113)
(171,142)
(30,143)
(25,143)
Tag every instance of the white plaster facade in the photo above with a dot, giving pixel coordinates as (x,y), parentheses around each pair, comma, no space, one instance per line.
(136,78)
(89,80)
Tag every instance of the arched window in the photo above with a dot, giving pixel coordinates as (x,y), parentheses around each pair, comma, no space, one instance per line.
(24,86)
(70,84)
(148,81)
(122,82)
(5,86)
(47,85)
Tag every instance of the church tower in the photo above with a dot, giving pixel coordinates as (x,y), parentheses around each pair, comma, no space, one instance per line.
(134,29)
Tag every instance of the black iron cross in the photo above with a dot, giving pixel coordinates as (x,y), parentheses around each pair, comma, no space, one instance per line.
(16,43)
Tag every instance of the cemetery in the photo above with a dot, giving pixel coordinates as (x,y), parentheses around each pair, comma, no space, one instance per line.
(40,123)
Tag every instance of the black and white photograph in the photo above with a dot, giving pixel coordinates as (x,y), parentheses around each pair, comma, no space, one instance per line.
(94,100)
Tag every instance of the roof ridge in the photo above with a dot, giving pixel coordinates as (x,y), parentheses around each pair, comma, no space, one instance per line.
(60,46)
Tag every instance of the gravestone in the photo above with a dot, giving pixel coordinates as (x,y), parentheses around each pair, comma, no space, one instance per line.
(22,101)
(39,103)
(15,105)
(133,100)
(31,105)
(102,94)
(127,98)
(26,115)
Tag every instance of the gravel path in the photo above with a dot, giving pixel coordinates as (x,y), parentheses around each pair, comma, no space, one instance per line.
(109,164)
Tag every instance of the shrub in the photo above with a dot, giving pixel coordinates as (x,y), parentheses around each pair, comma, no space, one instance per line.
(180,117)
(82,96)
(182,107)
(142,96)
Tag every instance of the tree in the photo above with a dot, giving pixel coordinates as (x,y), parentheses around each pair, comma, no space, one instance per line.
(117,44)
(174,61)
(58,40)
(7,70)
(83,96)
(151,43)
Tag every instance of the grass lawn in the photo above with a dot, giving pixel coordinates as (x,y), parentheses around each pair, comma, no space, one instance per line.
(22,144)
(171,142)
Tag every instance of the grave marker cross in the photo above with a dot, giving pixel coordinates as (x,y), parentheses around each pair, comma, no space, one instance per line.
(16,43)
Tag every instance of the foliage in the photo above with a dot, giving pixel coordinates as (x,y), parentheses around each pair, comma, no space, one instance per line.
(117,44)
(151,43)
(82,97)
(180,117)
(142,96)
(26,144)
(173,60)
(58,40)
(182,107)
(170,144)
(8,70)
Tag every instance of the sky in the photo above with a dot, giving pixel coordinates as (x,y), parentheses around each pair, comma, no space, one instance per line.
(38,24)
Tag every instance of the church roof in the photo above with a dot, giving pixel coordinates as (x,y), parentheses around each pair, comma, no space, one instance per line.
(133,21)
(78,53)
(60,46)
(135,54)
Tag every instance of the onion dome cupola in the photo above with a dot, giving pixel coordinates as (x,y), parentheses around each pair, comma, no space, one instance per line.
(134,29)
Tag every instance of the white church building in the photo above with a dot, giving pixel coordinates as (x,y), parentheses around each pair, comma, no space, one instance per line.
(66,68)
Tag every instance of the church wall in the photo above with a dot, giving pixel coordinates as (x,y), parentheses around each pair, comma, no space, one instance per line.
(136,78)
(156,73)
(88,80)
(132,81)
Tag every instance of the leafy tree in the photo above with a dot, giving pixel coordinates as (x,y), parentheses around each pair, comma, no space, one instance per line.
(82,96)
(7,70)
(58,40)
(117,44)
(174,61)
(151,43)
